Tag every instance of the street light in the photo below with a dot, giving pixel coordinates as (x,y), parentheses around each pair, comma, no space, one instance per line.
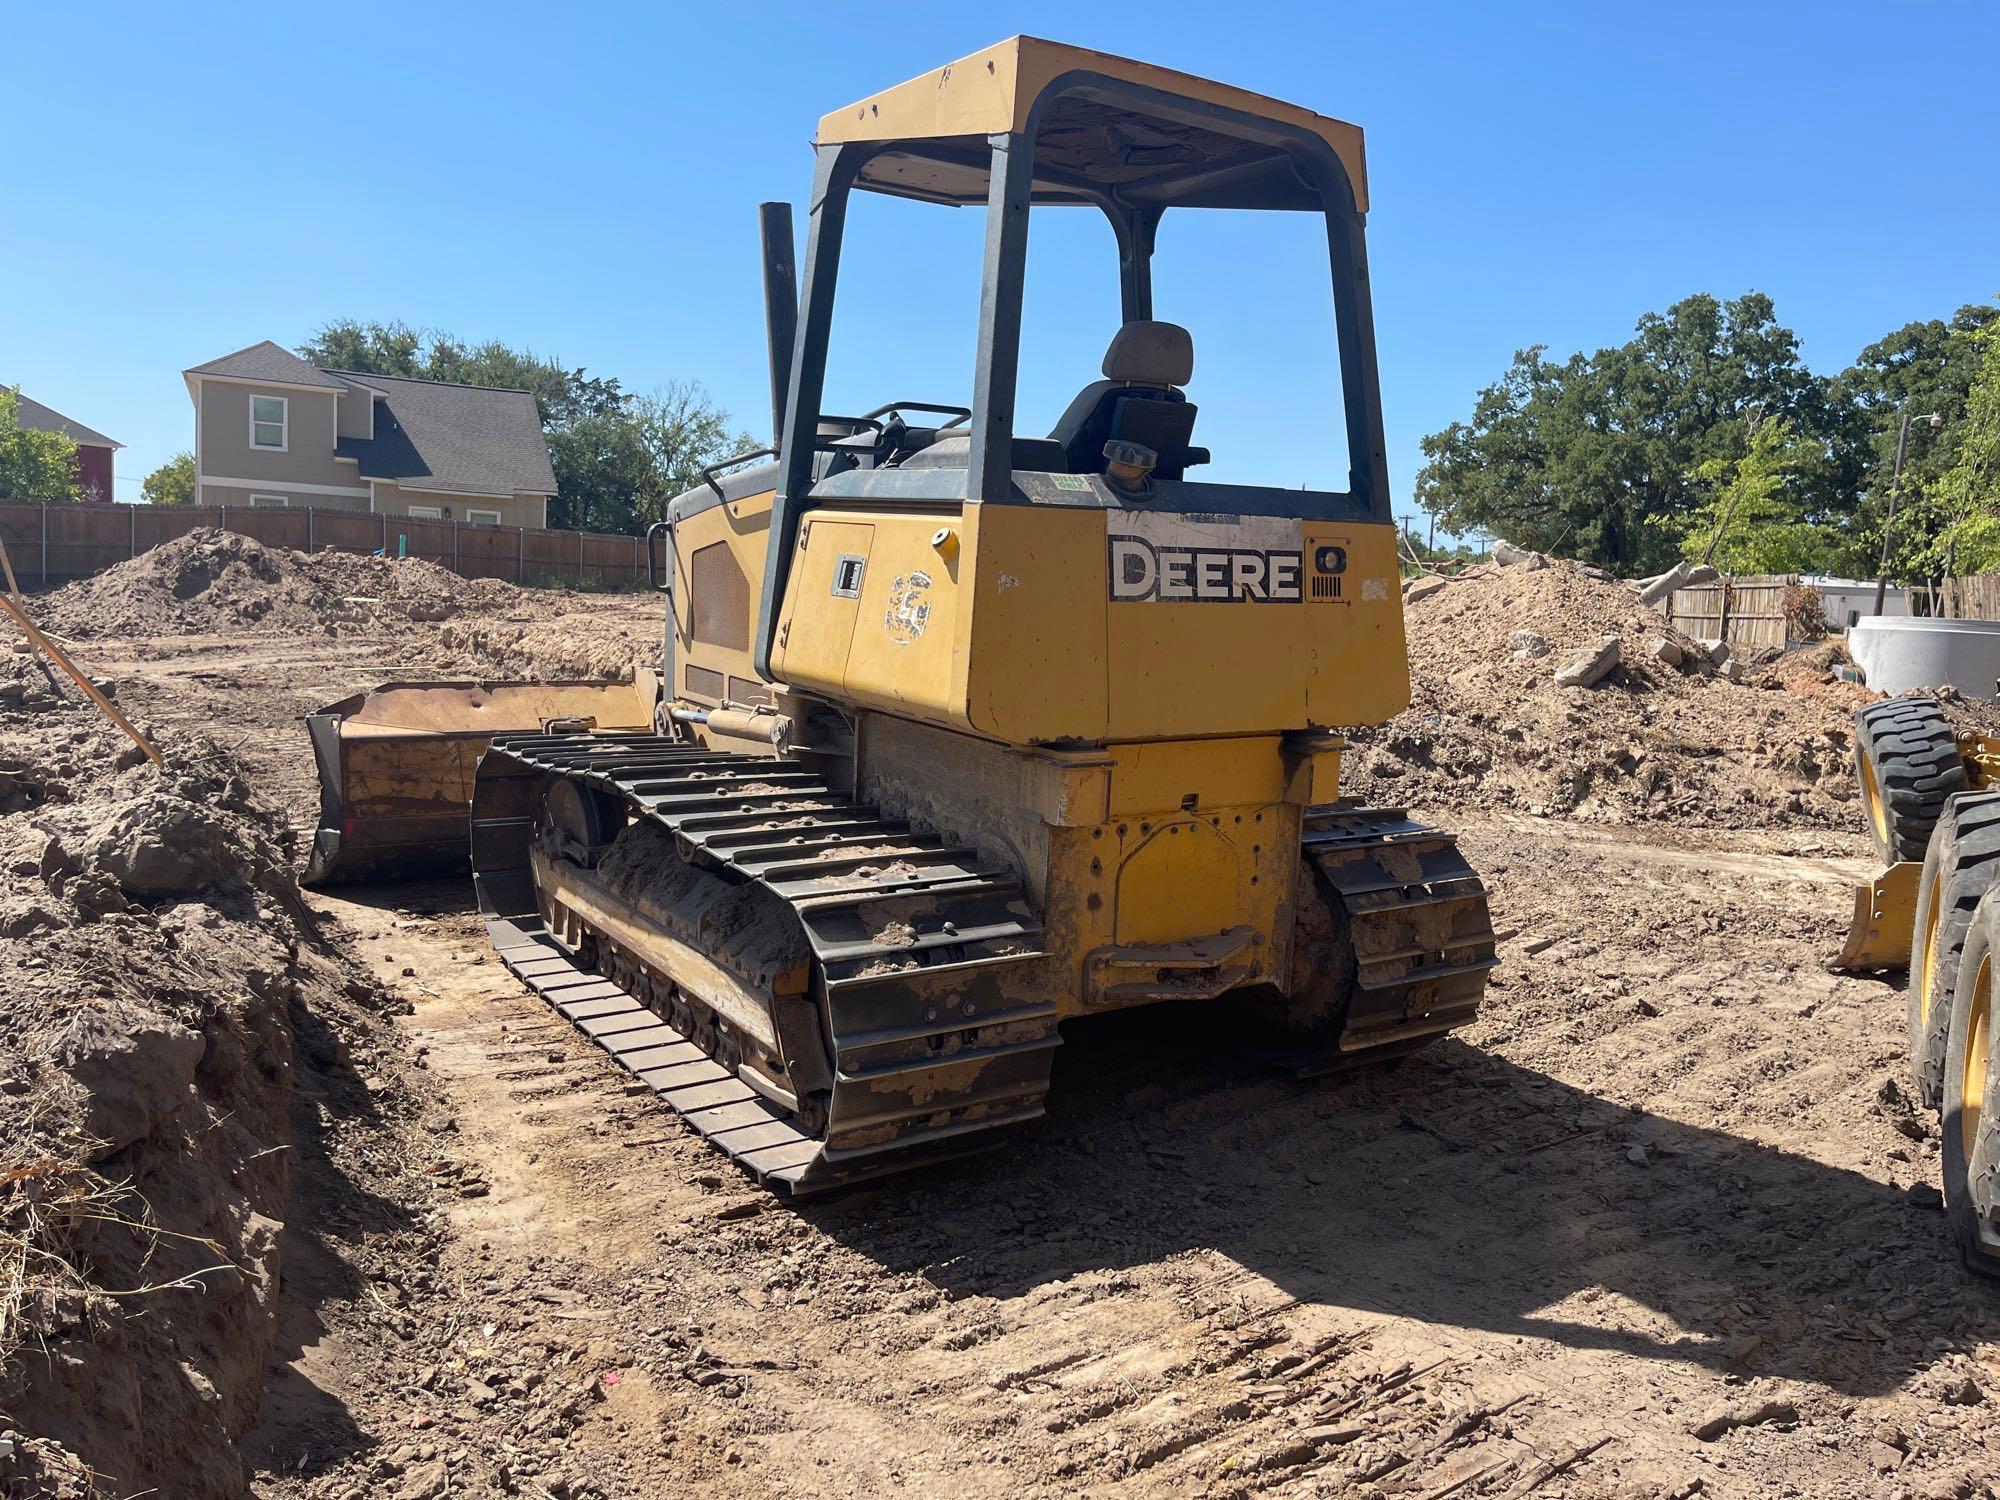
(1929,419)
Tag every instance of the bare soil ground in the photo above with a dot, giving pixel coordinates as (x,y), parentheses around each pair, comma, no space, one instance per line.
(1663,1223)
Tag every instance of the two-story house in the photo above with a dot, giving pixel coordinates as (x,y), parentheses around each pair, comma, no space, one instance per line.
(271,429)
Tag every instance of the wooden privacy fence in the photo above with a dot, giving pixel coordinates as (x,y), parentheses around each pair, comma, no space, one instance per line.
(1746,610)
(1976,597)
(56,543)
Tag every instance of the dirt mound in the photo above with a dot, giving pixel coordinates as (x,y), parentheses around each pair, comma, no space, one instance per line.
(154,962)
(1813,672)
(605,643)
(1655,738)
(216,582)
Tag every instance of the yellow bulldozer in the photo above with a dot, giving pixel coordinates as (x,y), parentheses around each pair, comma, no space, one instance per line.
(964,733)
(1931,797)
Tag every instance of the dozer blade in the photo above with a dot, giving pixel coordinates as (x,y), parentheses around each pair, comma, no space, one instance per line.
(397,764)
(1885,915)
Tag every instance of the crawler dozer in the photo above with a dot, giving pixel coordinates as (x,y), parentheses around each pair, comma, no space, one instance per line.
(1931,796)
(967,733)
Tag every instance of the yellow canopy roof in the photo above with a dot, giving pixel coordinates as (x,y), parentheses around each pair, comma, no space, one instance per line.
(993,91)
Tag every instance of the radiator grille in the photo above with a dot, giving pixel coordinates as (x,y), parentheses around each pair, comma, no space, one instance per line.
(721,599)
(703,682)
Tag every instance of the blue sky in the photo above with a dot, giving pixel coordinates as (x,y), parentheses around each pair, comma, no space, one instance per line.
(582,181)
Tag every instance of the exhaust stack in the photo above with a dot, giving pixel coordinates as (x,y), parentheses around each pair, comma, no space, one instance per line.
(781,303)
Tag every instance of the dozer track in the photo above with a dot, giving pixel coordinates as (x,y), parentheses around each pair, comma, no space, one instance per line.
(929,1056)
(1416,915)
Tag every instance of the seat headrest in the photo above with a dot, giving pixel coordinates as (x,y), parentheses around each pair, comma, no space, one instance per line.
(1150,354)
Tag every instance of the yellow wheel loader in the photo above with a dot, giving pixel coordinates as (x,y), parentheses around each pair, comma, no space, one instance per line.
(965,733)
(1924,793)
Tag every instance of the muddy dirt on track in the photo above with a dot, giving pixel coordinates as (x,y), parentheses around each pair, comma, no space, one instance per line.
(1661,1224)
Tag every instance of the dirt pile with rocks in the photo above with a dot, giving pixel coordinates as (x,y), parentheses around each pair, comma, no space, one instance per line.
(213,582)
(155,962)
(1664,734)
(604,644)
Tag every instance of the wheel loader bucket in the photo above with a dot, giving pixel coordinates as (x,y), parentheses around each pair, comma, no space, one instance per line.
(1885,916)
(396,765)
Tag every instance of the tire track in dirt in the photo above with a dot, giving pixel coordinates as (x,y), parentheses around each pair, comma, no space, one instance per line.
(1118,1298)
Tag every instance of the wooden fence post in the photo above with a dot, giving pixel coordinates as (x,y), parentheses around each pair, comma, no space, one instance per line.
(45,544)
(635,561)
(1722,606)
(520,554)
(454,547)
(132,533)
(309,530)
(579,558)
(385,536)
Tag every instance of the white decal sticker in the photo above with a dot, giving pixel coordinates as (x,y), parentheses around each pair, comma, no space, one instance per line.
(1007,581)
(1163,557)
(909,607)
(1374,590)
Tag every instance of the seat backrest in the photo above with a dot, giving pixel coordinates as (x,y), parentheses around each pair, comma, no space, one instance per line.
(1150,354)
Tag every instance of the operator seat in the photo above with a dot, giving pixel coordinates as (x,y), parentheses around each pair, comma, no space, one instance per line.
(1138,401)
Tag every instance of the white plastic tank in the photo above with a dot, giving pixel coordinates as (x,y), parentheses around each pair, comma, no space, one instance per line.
(1898,654)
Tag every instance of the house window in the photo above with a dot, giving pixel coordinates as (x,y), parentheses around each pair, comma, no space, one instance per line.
(267,422)
(482,518)
(268,502)
(426,513)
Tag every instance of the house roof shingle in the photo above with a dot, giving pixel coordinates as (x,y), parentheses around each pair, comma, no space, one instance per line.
(39,418)
(268,361)
(463,439)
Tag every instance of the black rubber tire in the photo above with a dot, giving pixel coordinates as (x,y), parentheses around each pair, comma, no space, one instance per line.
(1961,865)
(1907,750)
(1972,1174)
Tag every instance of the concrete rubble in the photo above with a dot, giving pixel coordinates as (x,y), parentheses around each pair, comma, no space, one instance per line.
(1590,666)
(1507,555)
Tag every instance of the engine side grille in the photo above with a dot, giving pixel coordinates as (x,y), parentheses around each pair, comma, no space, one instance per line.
(721,598)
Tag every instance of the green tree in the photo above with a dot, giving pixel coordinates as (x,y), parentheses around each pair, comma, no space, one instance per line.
(1600,456)
(367,348)
(618,458)
(170,484)
(1963,502)
(684,432)
(33,465)
(1925,366)
(1751,521)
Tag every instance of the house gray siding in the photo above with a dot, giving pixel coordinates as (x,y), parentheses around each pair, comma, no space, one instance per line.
(224,419)
(515,510)
(236,494)
(354,412)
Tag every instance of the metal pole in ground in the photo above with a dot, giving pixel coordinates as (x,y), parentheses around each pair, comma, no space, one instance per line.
(1930,419)
(579,559)
(454,547)
(309,529)
(520,554)
(132,533)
